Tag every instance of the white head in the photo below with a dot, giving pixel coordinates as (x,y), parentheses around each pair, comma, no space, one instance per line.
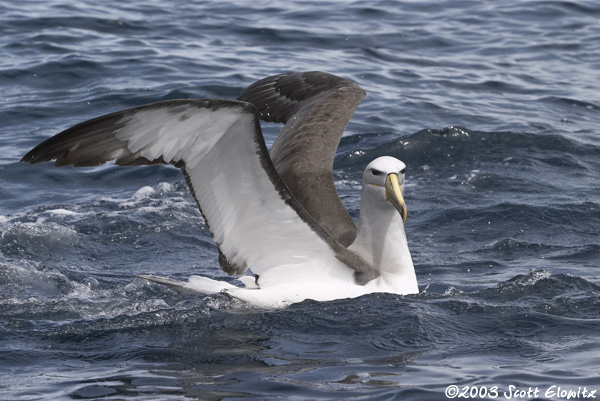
(383,184)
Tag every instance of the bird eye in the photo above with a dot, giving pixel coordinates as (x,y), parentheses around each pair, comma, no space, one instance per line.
(403,170)
(376,172)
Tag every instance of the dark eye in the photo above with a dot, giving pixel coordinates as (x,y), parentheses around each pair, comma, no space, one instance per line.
(403,170)
(376,172)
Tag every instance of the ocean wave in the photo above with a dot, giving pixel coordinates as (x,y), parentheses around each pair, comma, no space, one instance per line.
(456,146)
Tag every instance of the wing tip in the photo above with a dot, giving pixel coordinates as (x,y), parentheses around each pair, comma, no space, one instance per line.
(28,158)
(35,156)
(278,97)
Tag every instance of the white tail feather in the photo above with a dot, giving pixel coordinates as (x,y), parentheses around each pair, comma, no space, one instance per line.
(194,285)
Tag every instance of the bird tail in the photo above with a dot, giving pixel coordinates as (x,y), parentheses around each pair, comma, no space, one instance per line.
(194,285)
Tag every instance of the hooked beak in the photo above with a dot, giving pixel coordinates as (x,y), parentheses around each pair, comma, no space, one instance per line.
(393,194)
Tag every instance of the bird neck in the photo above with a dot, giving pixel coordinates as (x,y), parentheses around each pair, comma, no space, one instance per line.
(381,242)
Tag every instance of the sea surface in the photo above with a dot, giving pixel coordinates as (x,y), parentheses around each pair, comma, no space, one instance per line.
(494,107)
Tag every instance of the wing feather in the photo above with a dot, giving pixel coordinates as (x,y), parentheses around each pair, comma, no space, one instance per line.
(253,217)
(315,107)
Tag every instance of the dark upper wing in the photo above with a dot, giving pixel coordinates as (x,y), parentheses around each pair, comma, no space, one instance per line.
(315,107)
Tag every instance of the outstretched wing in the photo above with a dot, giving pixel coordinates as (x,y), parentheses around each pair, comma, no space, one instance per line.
(315,107)
(218,144)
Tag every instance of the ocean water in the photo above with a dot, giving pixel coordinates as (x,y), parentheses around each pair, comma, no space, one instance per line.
(493,106)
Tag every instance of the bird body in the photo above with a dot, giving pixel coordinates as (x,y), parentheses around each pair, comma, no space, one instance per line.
(276,214)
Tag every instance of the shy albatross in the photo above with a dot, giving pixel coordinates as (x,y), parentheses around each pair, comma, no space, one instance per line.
(277,214)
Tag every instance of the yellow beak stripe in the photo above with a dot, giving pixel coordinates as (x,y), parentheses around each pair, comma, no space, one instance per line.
(393,194)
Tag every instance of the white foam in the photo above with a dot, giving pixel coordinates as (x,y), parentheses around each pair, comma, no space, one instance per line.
(163,187)
(144,192)
(62,212)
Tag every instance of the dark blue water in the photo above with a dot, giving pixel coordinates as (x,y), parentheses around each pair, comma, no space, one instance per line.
(494,107)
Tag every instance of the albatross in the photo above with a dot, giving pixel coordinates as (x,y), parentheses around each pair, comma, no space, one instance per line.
(276,214)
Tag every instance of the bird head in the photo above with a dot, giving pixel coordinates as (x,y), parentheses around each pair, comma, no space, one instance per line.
(384,178)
